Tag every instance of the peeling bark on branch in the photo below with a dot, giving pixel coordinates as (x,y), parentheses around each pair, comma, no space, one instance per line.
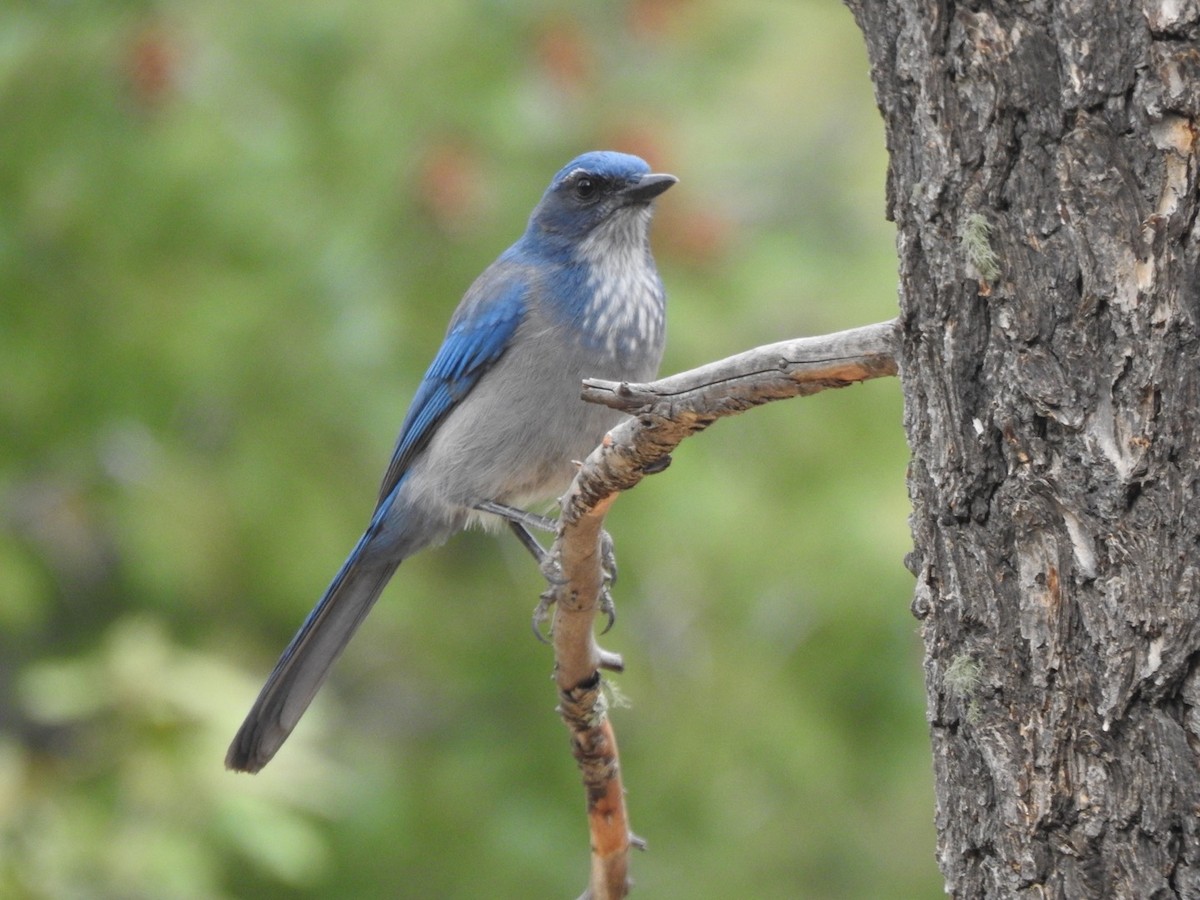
(665,412)
(772,372)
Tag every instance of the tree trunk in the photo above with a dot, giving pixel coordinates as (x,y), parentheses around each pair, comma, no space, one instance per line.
(1043,183)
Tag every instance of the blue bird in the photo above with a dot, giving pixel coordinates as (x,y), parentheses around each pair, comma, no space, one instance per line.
(497,422)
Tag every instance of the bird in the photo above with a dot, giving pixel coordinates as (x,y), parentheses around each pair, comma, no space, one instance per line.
(497,423)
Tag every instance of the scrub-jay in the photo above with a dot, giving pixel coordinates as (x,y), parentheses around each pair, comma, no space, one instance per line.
(497,422)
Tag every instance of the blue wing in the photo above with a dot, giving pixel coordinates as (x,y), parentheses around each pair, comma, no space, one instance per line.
(477,337)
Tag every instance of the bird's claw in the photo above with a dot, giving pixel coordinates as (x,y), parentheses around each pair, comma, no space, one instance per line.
(552,572)
(608,570)
(541,615)
(608,608)
(608,559)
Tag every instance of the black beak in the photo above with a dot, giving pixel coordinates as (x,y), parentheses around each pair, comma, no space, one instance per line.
(648,187)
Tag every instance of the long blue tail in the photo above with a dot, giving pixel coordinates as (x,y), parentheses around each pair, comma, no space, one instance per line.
(306,662)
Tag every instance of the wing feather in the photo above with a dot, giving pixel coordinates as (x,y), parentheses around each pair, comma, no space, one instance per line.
(479,334)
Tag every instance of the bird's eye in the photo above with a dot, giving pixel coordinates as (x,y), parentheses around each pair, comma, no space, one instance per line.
(585,188)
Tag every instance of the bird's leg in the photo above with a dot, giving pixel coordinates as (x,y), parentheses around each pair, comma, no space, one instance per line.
(520,521)
(541,613)
(512,514)
(529,542)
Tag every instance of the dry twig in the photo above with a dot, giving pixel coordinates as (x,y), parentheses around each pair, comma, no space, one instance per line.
(664,413)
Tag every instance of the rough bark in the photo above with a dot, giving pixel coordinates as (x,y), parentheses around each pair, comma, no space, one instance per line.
(1043,165)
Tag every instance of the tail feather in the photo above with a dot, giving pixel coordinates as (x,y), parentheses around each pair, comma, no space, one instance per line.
(306,662)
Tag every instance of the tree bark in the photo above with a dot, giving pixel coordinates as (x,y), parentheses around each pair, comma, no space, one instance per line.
(1043,167)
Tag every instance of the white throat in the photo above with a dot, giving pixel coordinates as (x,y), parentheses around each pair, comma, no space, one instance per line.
(626,295)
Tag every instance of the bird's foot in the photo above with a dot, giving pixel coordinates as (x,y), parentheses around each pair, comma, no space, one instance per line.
(552,572)
(520,521)
(608,572)
(608,558)
(541,615)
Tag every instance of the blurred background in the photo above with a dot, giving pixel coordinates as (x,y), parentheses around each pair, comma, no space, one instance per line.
(231,235)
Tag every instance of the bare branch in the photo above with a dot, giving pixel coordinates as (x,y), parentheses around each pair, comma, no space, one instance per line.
(772,372)
(665,412)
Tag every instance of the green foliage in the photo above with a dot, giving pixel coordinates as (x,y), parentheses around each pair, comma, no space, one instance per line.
(230,238)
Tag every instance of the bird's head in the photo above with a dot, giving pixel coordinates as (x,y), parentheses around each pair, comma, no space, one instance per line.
(594,189)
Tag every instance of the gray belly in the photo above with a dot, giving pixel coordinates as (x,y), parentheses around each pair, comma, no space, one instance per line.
(516,437)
